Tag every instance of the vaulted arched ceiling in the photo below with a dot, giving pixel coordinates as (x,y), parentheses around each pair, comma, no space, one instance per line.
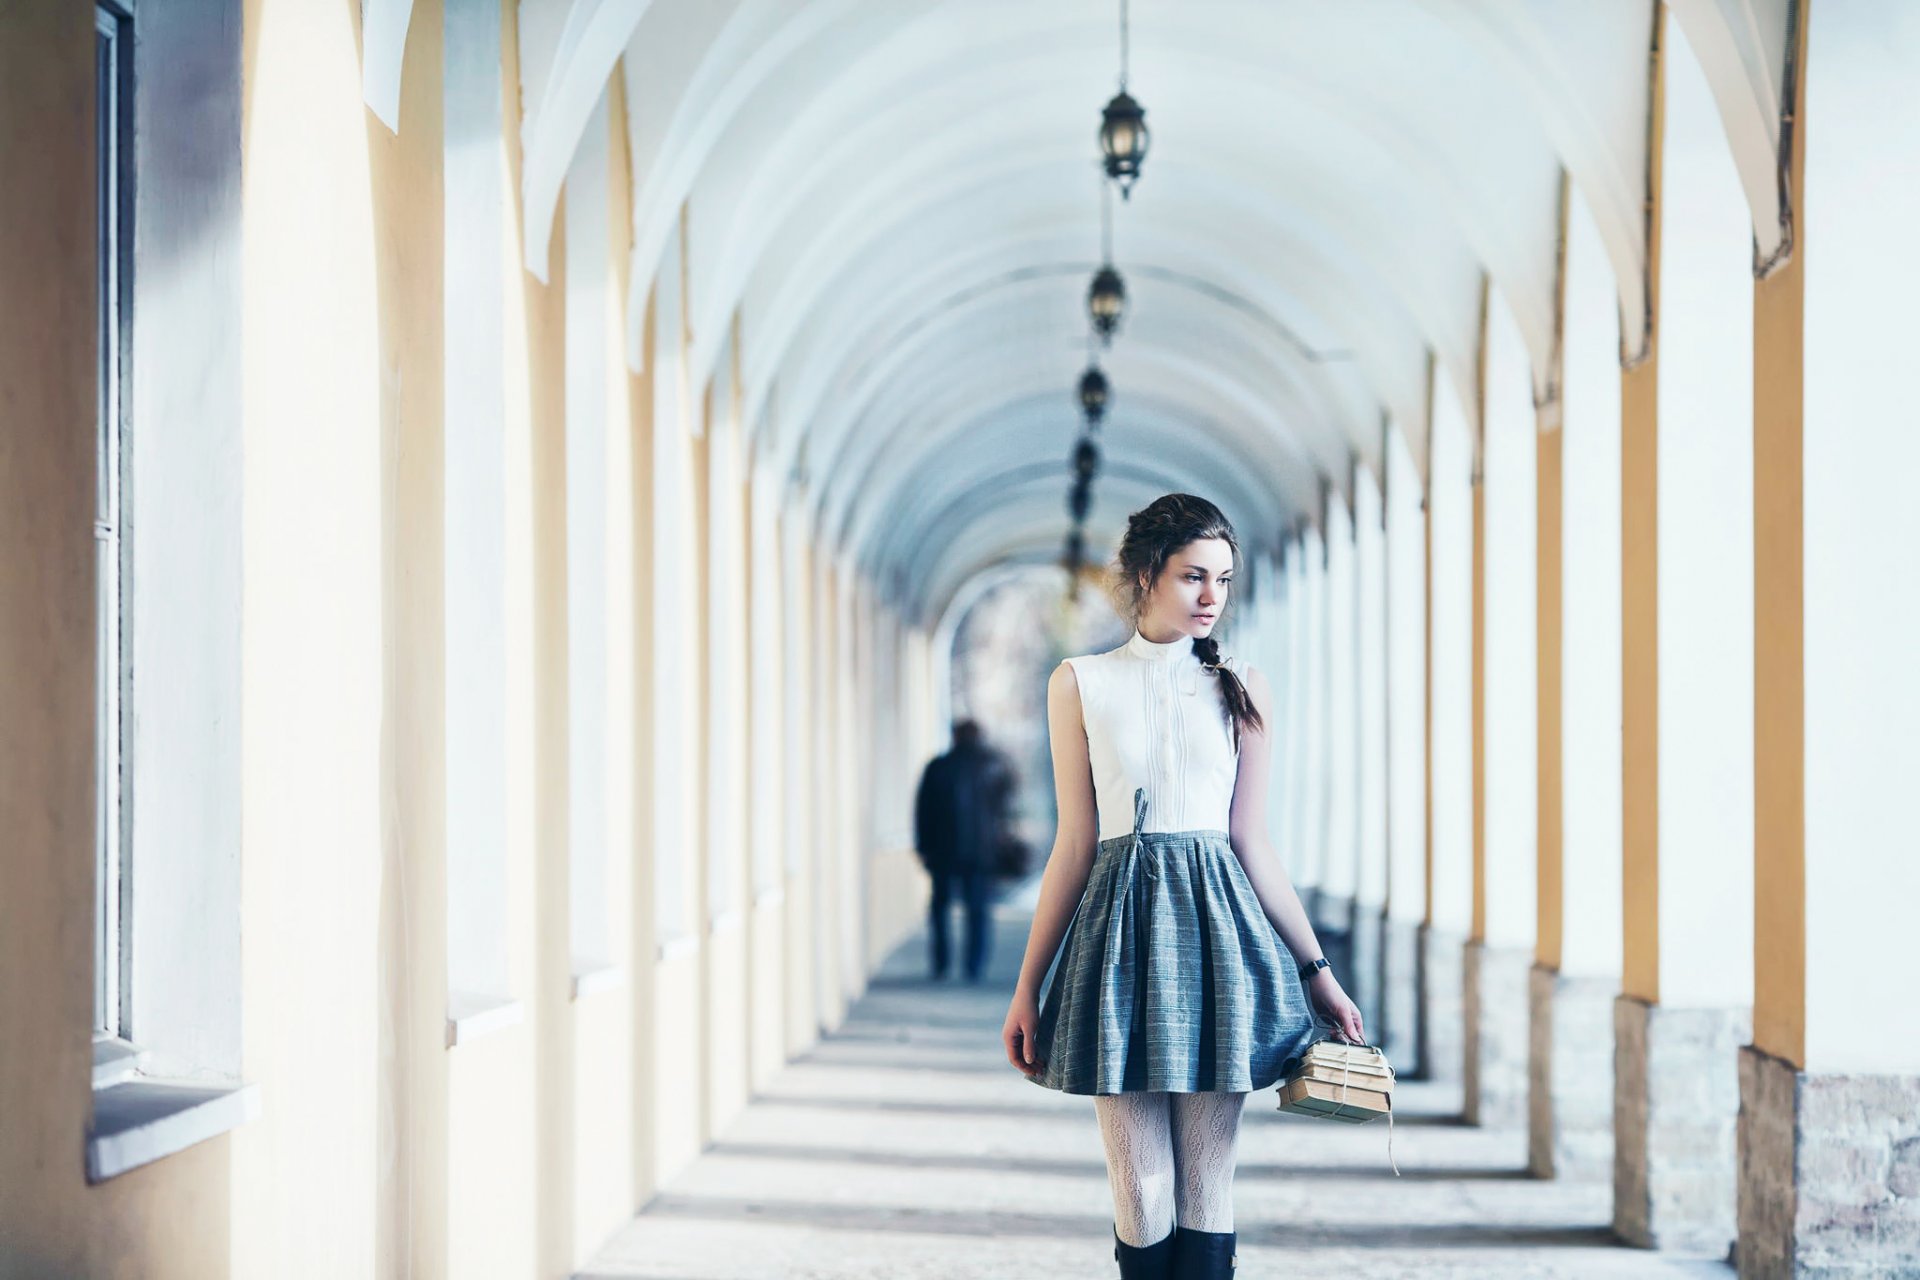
(898,200)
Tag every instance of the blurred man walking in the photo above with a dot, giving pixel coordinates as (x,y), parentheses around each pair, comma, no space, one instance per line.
(959,820)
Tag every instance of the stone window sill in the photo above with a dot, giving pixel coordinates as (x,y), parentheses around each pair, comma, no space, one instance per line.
(680,944)
(470,1017)
(137,1121)
(605,977)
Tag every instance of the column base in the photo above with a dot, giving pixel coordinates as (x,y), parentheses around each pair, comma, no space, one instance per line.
(1368,942)
(1676,1096)
(1399,1032)
(1570,1076)
(1495,1068)
(1442,1023)
(1829,1172)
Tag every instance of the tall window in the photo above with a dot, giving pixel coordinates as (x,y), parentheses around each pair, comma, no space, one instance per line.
(113,29)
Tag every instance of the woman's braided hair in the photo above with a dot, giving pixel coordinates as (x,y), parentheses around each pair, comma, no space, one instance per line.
(1153,534)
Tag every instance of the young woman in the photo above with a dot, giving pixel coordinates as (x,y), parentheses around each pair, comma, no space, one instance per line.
(1185,957)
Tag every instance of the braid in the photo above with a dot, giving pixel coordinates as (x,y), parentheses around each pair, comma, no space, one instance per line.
(1240,706)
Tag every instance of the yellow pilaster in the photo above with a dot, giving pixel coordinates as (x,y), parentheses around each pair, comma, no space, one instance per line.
(1640,612)
(1477,932)
(1547,633)
(1779,601)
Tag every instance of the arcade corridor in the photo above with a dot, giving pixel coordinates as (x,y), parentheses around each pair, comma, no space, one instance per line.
(902,1148)
(501,500)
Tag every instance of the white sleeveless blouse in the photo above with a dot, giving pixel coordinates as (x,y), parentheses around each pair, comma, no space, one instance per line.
(1156,719)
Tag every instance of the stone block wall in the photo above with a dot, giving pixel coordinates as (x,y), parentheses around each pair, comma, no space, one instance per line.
(1570,1076)
(1399,1032)
(1829,1173)
(1497,1013)
(1676,1101)
(1442,1025)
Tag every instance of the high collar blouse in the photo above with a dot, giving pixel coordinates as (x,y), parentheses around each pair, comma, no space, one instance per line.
(1156,719)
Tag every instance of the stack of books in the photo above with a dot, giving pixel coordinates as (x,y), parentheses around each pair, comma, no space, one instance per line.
(1350,1082)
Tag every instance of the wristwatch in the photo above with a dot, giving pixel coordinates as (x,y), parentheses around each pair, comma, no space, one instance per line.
(1312,967)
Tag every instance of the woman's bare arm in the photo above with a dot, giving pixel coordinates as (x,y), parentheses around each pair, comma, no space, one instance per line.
(1074,839)
(1247,829)
(1068,866)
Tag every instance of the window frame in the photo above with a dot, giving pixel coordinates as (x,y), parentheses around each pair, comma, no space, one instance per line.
(113,212)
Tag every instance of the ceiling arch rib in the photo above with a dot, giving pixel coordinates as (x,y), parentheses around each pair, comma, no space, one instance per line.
(1235,22)
(960,506)
(1363,177)
(973,361)
(1203,398)
(1019,533)
(822,351)
(873,302)
(1589,61)
(1743,46)
(383,51)
(845,265)
(940,470)
(1293,65)
(568,50)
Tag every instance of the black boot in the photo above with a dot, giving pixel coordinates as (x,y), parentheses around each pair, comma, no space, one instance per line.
(1202,1255)
(1147,1262)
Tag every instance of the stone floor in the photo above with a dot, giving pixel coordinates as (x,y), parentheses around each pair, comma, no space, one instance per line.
(903,1145)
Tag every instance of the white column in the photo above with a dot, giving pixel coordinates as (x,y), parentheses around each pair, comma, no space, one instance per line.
(1450,720)
(1276,661)
(476,519)
(768,663)
(1507,478)
(1299,697)
(1342,824)
(1406,790)
(1311,840)
(1590,610)
(1370,724)
(1830,1089)
(726,652)
(587,569)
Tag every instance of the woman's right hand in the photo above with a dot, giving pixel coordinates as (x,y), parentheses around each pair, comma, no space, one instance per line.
(1023,1017)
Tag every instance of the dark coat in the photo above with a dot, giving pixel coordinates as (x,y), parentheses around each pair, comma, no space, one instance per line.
(959,813)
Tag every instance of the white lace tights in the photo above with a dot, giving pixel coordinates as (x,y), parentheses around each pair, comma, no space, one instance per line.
(1170,1158)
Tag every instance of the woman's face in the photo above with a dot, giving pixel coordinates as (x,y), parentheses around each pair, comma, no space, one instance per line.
(1192,588)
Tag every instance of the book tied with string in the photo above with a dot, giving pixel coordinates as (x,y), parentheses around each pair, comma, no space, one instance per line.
(1347,1082)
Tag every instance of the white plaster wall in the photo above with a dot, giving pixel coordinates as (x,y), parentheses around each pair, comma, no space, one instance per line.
(1370,649)
(1705,553)
(1406,661)
(673,603)
(1451,529)
(476,507)
(1281,609)
(1511,693)
(1590,608)
(1312,839)
(1862,531)
(1343,706)
(767,663)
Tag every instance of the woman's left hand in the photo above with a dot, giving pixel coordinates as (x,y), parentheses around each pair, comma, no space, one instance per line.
(1326,991)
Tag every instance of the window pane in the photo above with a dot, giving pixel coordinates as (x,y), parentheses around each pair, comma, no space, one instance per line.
(109,670)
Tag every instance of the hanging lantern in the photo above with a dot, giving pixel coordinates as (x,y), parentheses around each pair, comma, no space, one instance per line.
(1079,499)
(1093,393)
(1086,459)
(1106,302)
(1076,552)
(1123,140)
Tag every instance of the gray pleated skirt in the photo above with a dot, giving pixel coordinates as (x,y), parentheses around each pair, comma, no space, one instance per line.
(1170,976)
